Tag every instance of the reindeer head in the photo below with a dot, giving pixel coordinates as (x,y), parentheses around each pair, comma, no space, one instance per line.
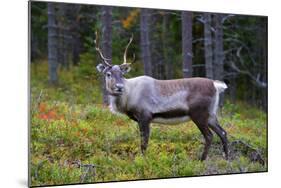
(114,79)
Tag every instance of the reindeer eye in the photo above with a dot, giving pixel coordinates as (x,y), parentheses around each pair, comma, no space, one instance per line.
(108,74)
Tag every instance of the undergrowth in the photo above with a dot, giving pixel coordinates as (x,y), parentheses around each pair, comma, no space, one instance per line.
(76,139)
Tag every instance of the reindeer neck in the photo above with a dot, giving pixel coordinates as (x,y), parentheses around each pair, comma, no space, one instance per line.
(117,103)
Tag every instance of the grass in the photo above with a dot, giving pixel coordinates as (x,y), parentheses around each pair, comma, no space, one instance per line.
(71,132)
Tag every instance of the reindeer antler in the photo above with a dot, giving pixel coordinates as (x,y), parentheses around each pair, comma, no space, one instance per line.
(105,60)
(126,49)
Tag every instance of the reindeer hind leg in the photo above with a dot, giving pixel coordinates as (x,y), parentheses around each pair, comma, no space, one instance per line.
(201,120)
(214,125)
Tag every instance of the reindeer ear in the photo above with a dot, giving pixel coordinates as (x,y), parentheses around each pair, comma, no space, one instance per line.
(125,68)
(100,67)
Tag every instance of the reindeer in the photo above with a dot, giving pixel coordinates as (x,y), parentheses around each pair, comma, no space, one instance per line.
(147,100)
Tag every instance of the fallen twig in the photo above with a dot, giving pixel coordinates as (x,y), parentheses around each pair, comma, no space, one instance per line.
(88,170)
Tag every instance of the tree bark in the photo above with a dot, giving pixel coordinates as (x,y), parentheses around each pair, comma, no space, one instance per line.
(187,43)
(265,64)
(34,46)
(62,47)
(76,48)
(218,52)
(145,41)
(208,46)
(52,45)
(67,36)
(166,47)
(75,34)
(218,48)
(156,45)
(106,45)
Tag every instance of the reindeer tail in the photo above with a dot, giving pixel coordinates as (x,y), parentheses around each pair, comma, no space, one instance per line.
(220,86)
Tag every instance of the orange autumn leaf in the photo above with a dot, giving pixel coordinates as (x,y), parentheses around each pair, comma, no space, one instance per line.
(42,107)
(130,20)
(84,130)
(52,114)
(77,134)
(43,116)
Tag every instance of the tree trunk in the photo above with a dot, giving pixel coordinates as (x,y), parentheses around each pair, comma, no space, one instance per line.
(67,40)
(262,31)
(218,48)
(76,43)
(187,43)
(106,46)
(166,47)
(157,60)
(61,34)
(145,41)
(75,33)
(218,52)
(52,45)
(208,46)
(34,46)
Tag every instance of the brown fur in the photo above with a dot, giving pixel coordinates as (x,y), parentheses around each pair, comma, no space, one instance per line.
(202,86)
(203,91)
(200,92)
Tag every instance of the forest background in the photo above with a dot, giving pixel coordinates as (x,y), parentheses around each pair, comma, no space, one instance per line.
(66,91)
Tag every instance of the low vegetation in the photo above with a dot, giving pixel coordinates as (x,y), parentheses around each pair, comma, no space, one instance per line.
(76,139)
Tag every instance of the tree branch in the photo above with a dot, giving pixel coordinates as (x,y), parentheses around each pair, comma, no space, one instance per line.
(226,18)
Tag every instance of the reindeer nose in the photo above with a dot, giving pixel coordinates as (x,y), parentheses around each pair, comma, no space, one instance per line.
(119,86)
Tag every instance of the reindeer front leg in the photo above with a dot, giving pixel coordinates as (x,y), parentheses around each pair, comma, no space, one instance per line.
(144,132)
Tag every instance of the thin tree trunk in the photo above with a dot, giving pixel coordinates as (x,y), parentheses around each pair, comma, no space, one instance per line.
(218,48)
(67,40)
(61,34)
(156,46)
(264,28)
(145,41)
(106,46)
(52,45)
(76,38)
(66,37)
(166,47)
(218,52)
(187,43)
(208,46)
(76,43)
(34,47)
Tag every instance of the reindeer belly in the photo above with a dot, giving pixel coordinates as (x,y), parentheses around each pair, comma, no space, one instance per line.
(171,117)
(171,121)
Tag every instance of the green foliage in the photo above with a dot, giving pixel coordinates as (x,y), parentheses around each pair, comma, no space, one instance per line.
(69,126)
(86,65)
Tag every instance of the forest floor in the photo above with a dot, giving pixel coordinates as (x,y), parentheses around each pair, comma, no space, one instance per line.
(75,139)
